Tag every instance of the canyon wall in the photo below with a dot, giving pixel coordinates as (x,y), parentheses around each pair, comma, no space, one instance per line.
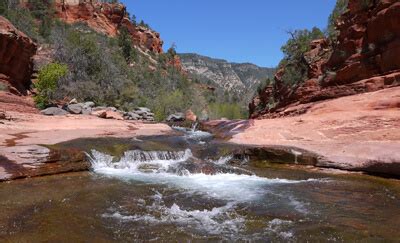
(108,18)
(16,52)
(365,58)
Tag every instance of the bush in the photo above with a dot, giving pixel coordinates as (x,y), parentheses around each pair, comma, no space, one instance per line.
(47,82)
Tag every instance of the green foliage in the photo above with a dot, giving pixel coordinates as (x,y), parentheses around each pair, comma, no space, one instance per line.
(36,22)
(294,62)
(47,82)
(3,87)
(125,42)
(3,7)
(24,21)
(263,85)
(226,110)
(340,8)
(169,103)
(145,25)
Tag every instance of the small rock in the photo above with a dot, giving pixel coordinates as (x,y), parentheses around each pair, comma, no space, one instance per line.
(99,108)
(108,114)
(114,115)
(74,109)
(89,104)
(100,113)
(133,116)
(54,111)
(73,101)
(143,109)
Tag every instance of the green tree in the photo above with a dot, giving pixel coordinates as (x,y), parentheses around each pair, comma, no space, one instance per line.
(125,42)
(47,82)
(294,62)
(340,8)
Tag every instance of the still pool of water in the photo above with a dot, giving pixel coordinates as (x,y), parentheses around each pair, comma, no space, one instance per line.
(190,192)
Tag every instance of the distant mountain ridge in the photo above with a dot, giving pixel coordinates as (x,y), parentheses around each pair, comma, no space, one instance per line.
(239,78)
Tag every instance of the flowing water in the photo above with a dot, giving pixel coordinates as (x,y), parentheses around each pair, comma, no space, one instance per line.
(191,188)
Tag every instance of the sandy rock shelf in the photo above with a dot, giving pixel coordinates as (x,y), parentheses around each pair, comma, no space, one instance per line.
(359,132)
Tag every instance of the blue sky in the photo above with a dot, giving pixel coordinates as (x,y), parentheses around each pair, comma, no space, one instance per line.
(235,30)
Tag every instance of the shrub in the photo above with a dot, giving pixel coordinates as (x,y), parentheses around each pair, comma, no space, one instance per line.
(47,82)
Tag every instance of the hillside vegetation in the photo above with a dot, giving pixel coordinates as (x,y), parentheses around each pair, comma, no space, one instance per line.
(111,71)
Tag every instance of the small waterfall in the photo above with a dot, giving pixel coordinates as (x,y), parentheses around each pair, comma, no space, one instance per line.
(132,160)
(194,126)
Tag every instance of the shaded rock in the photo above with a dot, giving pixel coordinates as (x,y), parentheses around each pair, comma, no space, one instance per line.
(16,57)
(2,116)
(74,109)
(177,117)
(54,111)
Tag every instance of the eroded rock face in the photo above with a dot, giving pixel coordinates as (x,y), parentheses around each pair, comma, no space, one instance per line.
(365,59)
(369,42)
(16,63)
(108,18)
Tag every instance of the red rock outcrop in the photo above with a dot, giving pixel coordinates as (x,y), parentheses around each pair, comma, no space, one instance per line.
(365,59)
(108,18)
(16,63)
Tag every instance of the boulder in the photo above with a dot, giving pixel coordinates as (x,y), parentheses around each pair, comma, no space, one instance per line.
(88,104)
(177,117)
(190,116)
(54,111)
(74,109)
(87,111)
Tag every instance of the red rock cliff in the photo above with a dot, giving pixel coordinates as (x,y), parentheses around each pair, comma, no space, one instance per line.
(16,52)
(366,58)
(107,18)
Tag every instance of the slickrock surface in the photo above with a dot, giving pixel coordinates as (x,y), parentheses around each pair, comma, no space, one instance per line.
(359,132)
(21,138)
